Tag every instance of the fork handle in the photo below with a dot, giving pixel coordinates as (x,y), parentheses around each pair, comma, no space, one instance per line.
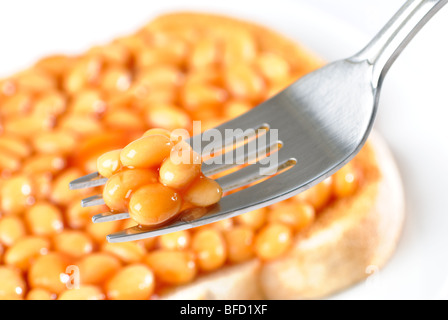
(386,46)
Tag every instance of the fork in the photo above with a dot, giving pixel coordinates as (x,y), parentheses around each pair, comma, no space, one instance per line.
(322,121)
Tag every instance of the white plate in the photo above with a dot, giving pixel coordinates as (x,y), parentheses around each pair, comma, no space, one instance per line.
(416,132)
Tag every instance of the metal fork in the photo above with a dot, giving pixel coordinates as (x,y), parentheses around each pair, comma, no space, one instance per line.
(323,120)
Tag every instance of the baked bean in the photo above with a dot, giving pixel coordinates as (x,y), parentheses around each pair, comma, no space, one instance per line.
(99,231)
(35,80)
(175,240)
(73,243)
(239,46)
(44,163)
(133,282)
(127,252)
(44,219)
(98,267)
(236,108)
(42,185)
(8,87)
(206,115)
(12,285)
(239,243)
(297,215)
(112,54)
(212,123)
(175,136)
(129,223)
(88,102)
(167,117)
(318,195)
(54,65)
(50,104)
(161,95)
(155,131)
(84,292)
(146,152)
(181,168)
(40,294)
(212,75)
(80,125)
(9,163)
(94,146)
(16,194)
(154,204)
(210,248)
(173,267)
(345,181)
(190,213)
(61,193)
(109,163)
(205,53)
(78,217)
(196,96)
(159,76)
(254,219)
(243,82)
(26,126)
(124,119)
(203,192)
(55,142)
(83,73)
(12,229)
(23,253)
(17,104)
(119,187)
(273,67)
(15,146)
(122,101)
(48,271)
(170,51)
(222,225)
(133,44)
(272,241)
(115,79)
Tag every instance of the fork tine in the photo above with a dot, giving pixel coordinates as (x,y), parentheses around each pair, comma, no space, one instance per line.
(138,233)
(254,119)
(95,200)
(88,181)
(128,234)
(109,216)
(266,192)
(247,153)
(251,173)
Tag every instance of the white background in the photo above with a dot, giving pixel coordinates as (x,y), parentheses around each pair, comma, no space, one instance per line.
(412,116)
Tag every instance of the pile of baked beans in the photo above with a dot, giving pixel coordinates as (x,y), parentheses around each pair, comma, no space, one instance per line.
(60,115)
(155,178)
